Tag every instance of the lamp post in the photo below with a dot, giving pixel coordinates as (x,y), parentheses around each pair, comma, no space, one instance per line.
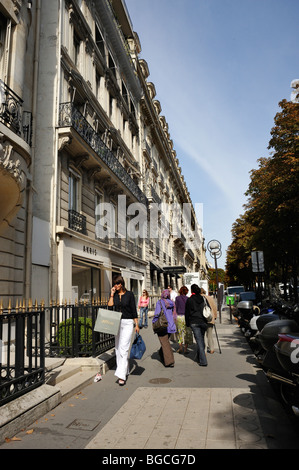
(214,247)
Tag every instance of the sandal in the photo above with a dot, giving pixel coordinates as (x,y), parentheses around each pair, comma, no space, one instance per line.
(121,382)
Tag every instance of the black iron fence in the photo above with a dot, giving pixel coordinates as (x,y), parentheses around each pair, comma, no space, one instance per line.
(13,115)
(72,331)
(22,352)
(29,335)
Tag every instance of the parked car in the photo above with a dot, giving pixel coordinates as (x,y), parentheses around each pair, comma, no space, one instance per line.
(233,293)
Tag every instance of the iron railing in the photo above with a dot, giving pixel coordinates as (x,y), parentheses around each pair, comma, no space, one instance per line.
(24,349)
(77,222)
(70,116)
(72,331)
(12,114)
(22,353)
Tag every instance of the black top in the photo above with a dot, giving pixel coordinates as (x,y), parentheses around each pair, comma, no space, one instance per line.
(194,311)
(125,304)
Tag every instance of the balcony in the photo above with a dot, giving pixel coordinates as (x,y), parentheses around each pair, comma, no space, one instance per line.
(70,116)
(12,114)
(77,222)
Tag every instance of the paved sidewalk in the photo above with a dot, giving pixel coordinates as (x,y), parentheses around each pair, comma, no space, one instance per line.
(185,418)
(227,405)
(197,417)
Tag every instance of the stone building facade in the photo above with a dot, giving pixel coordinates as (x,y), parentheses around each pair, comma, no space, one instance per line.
(18,82)
(99,186)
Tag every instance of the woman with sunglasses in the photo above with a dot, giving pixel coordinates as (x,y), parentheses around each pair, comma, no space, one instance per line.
(143,306)
(123,301)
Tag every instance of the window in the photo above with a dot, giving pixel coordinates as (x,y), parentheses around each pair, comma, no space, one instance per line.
(77,43)
(112,65)
(98,86)
(110,106)
(5,39)
(74,181)
(125,94)
(100,41)
(99,199)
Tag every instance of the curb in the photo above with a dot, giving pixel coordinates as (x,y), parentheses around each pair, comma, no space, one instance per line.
(64,378)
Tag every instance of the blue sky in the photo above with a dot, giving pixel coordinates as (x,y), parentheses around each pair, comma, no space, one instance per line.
(220,68)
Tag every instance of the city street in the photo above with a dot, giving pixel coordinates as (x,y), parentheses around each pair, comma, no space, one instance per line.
(227,405)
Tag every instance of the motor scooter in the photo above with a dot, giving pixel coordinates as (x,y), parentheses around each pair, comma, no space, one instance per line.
(278,375)
(267,315)
(246,310)
(287,353)
(257,323)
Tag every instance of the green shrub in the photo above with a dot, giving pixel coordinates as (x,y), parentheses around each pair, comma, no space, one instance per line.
(83,335)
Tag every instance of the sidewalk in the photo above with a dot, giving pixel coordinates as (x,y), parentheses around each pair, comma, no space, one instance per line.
(227,405)
(216,417)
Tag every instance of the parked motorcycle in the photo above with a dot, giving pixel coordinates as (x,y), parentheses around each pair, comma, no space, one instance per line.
(287,353)
(246,310)
(268,314)
(257,324)
(276,360)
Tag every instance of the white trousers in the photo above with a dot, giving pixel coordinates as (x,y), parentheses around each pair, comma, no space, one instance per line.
(122,346)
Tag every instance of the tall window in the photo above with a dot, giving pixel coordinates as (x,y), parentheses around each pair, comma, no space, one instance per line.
(74,180)
(99,199)
(76,49)
(100,41)
(5,39)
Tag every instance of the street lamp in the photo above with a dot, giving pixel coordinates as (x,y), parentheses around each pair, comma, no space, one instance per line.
(214,247)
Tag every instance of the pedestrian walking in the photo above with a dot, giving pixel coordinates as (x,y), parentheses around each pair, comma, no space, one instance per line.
(165,352)
(209,340)
(184,333)
(143,306)
(195,319)
(173,294)
(123,301)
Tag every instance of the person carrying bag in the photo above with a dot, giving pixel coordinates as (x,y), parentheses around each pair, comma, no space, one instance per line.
(165,352)
(123,301)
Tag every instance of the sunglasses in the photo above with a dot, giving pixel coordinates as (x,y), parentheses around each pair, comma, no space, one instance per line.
(117,284)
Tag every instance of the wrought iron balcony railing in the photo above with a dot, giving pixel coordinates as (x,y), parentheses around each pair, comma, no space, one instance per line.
(77,222)
(70,116)
(12,114)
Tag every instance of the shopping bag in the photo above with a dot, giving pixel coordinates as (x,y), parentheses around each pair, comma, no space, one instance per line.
(138,348)
(107,321)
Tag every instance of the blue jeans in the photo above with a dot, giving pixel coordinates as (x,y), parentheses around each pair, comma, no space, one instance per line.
(199,335)
(143,311)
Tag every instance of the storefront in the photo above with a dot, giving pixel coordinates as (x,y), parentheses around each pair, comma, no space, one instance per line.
(85,271)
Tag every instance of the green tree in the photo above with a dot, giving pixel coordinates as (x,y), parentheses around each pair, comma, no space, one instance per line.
(270,222)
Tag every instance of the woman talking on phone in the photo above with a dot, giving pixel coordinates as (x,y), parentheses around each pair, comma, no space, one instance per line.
(124,302)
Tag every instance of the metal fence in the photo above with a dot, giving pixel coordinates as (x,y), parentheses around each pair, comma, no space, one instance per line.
(22,352)
(72,331)
(28,335)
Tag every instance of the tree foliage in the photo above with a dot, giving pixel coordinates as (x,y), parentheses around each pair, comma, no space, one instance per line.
(270,221)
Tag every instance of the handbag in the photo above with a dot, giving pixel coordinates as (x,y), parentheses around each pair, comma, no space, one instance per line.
(207,312)
(107,321)
(161,324)
(138,347)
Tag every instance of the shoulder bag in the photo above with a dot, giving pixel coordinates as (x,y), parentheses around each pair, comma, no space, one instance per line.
(161,324)
(207,312)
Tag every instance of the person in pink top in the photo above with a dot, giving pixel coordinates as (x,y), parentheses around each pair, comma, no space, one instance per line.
(143,305)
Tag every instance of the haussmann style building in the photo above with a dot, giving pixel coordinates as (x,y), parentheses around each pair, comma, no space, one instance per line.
(90,184)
